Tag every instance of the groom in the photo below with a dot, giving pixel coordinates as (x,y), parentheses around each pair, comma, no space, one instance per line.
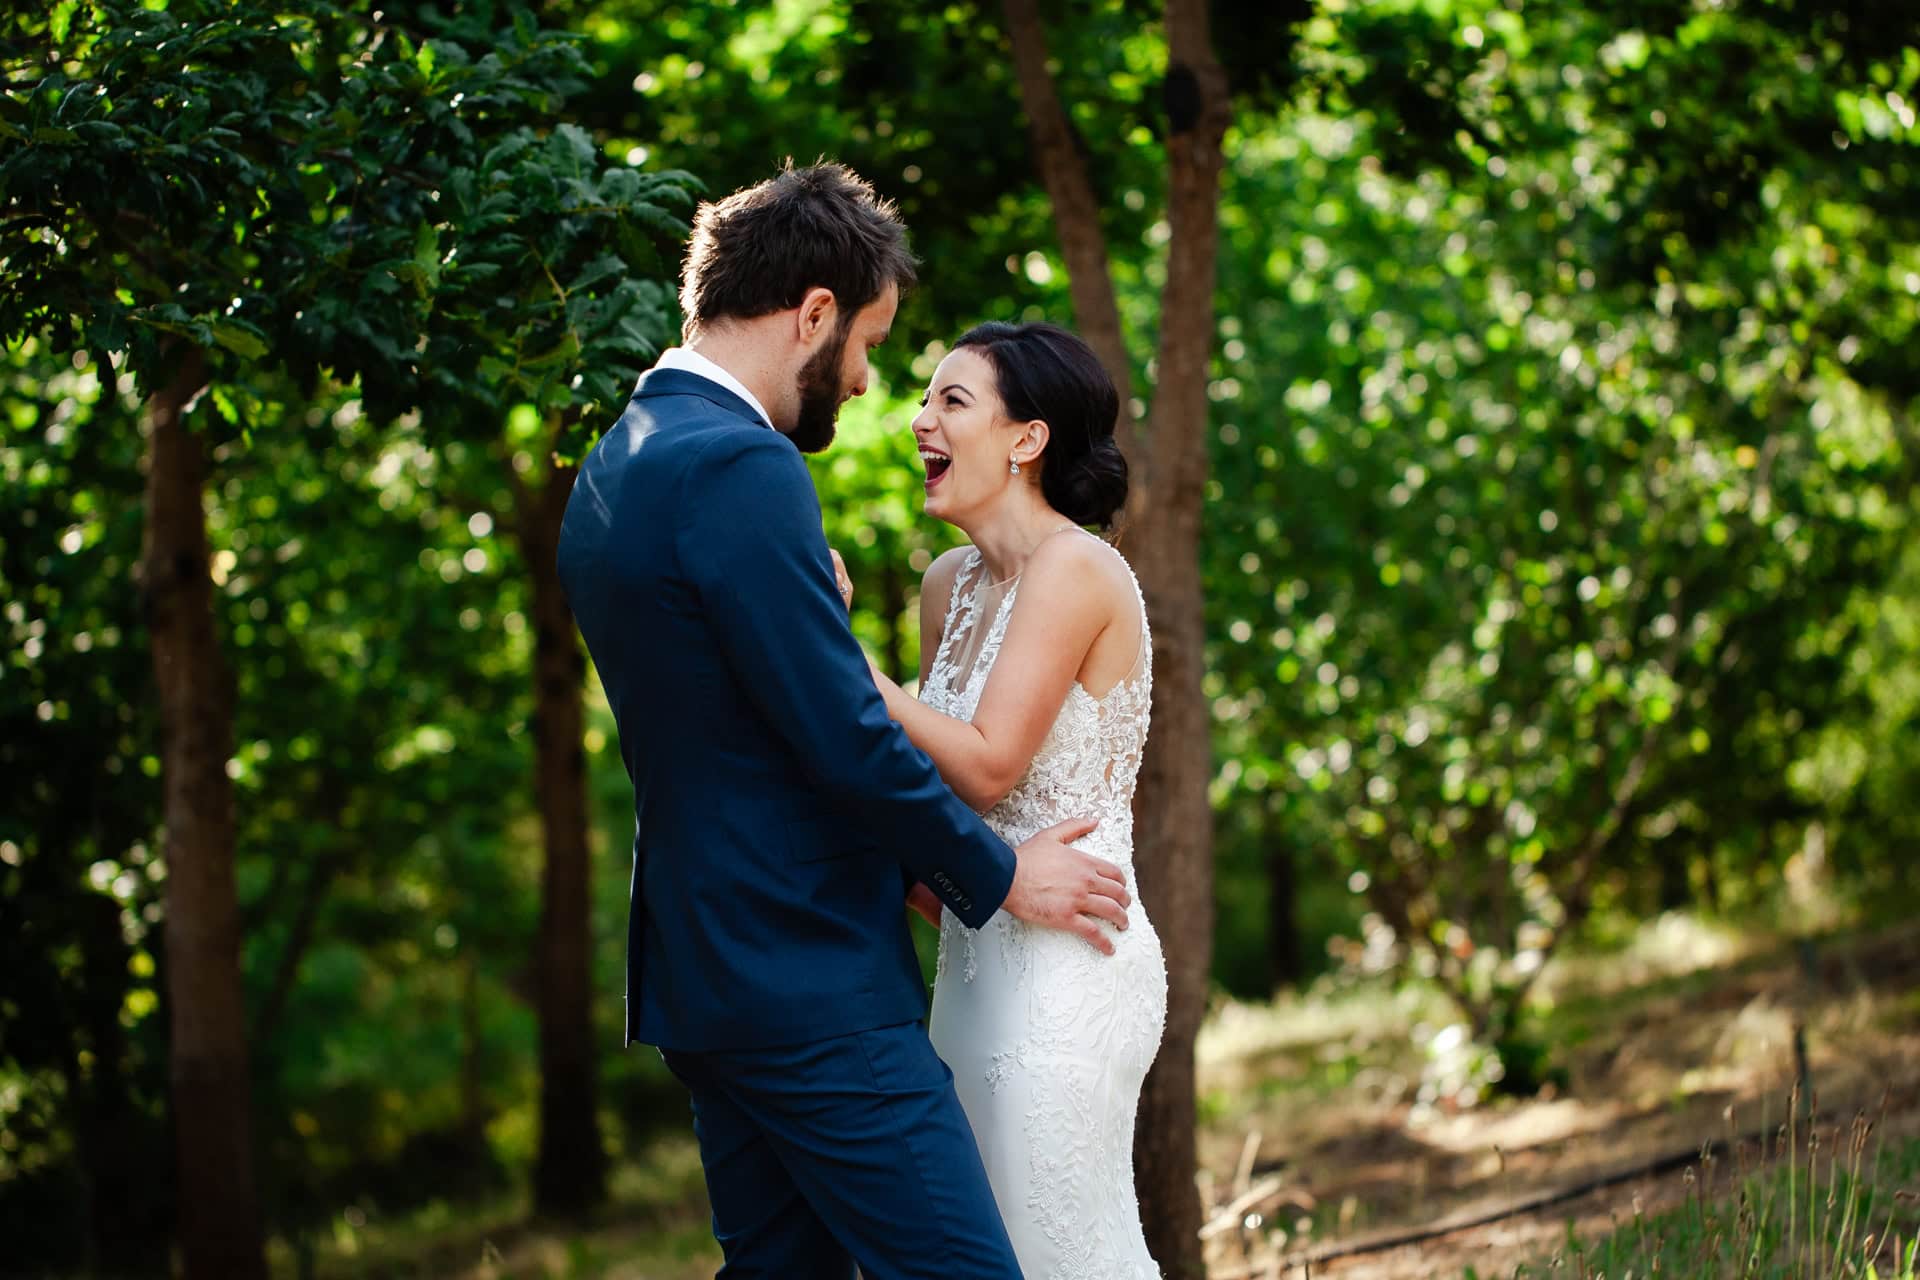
(782,818)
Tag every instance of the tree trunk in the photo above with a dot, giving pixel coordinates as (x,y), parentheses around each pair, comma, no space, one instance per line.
(1676,893)
(570,1173)
(1173,863)
(1174,818)
(126,1238)
(219,1218)
(473,1113)
(1283,911)
(1173,823)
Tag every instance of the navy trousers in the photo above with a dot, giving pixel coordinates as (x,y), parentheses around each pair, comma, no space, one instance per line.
(852,1150)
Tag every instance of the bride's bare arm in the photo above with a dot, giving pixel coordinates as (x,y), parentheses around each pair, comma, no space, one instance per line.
(1069,596)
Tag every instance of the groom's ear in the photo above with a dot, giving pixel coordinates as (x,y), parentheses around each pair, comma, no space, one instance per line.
(815,315)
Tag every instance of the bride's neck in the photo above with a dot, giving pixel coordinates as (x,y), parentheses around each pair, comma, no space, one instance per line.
(1007,535)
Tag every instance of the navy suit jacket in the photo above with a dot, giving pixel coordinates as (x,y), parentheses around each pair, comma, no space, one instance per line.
(779,811)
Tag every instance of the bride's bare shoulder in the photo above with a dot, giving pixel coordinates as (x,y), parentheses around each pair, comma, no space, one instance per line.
(1087,567)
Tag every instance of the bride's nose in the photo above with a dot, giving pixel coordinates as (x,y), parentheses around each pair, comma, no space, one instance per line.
(922,421)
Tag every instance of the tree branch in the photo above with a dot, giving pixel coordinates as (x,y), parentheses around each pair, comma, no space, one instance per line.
(299,939)
(1076,214)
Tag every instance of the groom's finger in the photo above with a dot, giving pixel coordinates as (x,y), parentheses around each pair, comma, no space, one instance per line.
(1105,908)
(1094,935)
(1068,832)
(1111,881)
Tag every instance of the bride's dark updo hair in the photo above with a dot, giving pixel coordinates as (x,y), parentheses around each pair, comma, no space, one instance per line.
(1048,373)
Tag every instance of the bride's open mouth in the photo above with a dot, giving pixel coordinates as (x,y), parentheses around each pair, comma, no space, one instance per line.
(937,465)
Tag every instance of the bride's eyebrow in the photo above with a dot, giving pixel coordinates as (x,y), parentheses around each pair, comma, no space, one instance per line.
(954,386)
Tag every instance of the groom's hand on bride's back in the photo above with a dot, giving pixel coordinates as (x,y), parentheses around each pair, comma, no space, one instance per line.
(1062,888)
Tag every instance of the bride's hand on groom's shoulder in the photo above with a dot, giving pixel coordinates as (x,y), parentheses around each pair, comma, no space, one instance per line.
(925,903)
(1058,887)
(841,578)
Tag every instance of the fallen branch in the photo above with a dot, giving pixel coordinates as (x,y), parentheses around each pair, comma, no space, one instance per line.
(1228,1216)
(1243,1172)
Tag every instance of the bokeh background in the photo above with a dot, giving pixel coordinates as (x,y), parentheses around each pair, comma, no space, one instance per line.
(1524,399)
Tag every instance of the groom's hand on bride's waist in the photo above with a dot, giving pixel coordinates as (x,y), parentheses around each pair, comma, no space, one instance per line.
(1061,888)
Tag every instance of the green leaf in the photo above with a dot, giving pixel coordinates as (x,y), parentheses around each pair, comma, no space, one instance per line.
(60,21)
(246,342)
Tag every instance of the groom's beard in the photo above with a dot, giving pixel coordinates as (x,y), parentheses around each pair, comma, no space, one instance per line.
(820,395)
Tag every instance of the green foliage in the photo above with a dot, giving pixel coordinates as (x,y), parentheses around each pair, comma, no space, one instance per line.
(380,749)
(919,99)
(1543,543)
(541,262)
(317,186)
(152,175)
(82,1069)
(591,314)
(316,197)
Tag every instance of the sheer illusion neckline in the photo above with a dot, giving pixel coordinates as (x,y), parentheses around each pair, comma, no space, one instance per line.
(1013,579)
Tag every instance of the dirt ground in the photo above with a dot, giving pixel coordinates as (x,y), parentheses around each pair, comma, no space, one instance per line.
(1655,1069)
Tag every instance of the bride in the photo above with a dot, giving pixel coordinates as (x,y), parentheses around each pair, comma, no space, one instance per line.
(1035,680)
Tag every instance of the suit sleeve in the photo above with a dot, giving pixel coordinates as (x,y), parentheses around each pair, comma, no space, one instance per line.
(750,540)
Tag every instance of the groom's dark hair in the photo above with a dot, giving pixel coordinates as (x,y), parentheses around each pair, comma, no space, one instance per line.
(759,250)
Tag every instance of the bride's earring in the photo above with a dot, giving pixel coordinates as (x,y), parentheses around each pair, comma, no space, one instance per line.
(1013,466)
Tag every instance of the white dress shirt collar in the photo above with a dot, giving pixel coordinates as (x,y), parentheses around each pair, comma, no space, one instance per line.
(688,360)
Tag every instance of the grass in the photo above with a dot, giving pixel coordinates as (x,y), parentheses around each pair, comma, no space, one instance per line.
(1664,1037)
(654,1227)
(1814,1214)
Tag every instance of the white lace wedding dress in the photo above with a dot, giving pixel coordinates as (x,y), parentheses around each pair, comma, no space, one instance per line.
(1048,1039)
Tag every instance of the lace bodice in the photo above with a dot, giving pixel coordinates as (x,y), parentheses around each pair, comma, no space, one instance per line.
(1048,1039)
(1090,760)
